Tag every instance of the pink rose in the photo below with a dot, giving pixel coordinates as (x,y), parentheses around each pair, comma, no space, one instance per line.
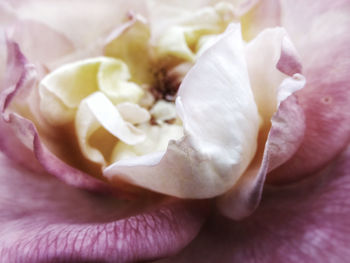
(107,158)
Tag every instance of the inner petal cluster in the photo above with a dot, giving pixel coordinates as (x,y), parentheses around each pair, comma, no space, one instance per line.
(122,104)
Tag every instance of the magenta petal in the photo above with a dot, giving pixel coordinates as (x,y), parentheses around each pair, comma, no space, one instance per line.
(44,220)
(307,222)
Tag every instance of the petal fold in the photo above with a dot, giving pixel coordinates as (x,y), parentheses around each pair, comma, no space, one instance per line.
(211,158)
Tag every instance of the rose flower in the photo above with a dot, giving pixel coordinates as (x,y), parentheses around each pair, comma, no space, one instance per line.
(126,124)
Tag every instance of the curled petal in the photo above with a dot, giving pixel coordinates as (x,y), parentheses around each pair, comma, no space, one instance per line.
(280,138)
(321,35)
(269,49)
(210,158)
(81,79)
(285,136)
(22,139)
(95,111)
(133,113)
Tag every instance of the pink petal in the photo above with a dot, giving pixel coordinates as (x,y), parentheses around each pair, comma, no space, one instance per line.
(19,137)
(321,35)
(39,42)
(283,140)
(82,22)
(44,220)
(307,222)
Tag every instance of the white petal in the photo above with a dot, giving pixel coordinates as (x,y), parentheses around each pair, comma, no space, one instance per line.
(163,110)
(133,113)
(157,138)
(97,111)
(221,124)
(109,117)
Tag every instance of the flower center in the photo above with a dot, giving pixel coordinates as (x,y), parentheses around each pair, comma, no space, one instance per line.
(122,105)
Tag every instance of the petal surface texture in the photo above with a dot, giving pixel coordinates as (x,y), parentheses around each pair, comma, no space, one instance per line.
(283,122)
(209,159)
(307,222)
(321,35)
(48,221)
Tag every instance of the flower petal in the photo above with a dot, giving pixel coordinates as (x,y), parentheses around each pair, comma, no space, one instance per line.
(62,91)
(285,137)
(260,15)
(321,34)
(278,138)
(48,221)
(95,111)
(81,21)
(210,158)
(270,48)
(304,222)
(38,42)
(130,43)
(20,139)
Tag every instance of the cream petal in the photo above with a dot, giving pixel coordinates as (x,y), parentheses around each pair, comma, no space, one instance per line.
(261,14)
(270,48)
(95,111)
(112,80)
(130,43)
(157,138)
(66,87)
(181,40)
(62,90)
(133,113)
(214,151)
(163,110)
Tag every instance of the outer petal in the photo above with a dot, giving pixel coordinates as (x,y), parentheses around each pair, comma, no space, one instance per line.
(44,220)
(321,34)
(283,141)
(211,156)
(283,119)
(81,21)
(20,139)
(263,54)
(305,222)
(39,42)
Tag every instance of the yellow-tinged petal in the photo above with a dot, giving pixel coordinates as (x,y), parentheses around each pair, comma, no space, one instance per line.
(157,140)
(62,90)
(131,44)
(113,78)
(133,113)
(95,111)
(180,42)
